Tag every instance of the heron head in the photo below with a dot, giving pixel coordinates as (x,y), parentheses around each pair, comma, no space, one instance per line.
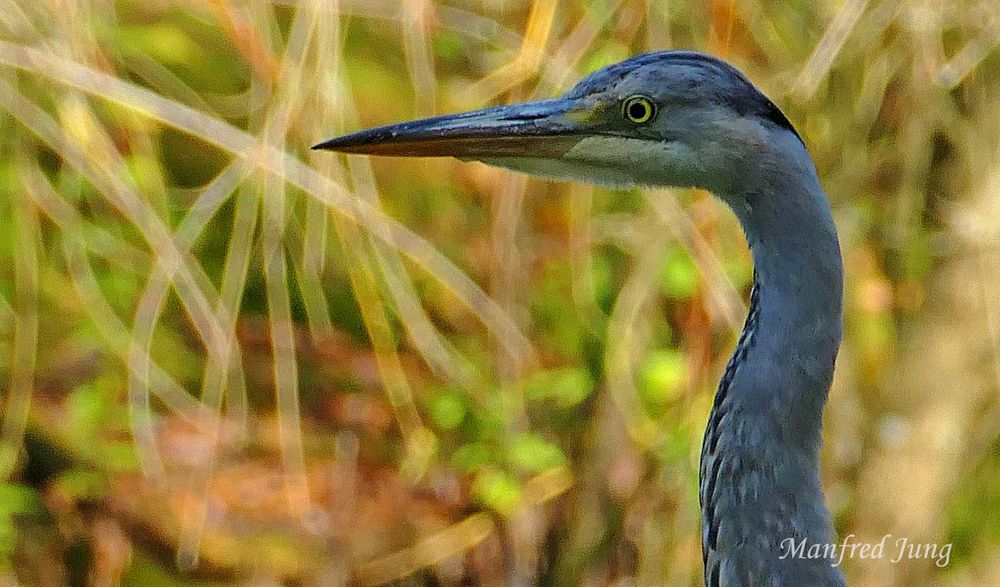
(671,118)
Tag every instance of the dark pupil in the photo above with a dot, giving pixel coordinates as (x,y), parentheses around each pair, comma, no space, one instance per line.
(637,110)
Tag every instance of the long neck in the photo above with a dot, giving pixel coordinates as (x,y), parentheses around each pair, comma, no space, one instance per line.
(759,485)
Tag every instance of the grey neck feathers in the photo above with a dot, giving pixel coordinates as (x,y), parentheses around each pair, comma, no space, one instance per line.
(759,481)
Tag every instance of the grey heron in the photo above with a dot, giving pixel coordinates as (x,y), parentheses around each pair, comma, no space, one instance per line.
(686,119)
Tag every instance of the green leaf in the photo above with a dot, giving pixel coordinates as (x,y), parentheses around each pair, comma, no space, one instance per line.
(470,457)
(120,457)
(447,44)
(530,452)
(662,376)
(605,55)
(164,42)
(497,490)
(85,410)
(568,386)
(18,499)
(679,276)
(447,409)
(81,484)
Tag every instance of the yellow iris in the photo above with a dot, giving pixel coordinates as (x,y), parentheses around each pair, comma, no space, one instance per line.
(638,109)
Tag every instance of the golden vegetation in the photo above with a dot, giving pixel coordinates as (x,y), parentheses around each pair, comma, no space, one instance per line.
(226,357)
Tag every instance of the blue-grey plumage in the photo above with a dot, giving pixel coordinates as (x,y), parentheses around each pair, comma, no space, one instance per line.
(681,118)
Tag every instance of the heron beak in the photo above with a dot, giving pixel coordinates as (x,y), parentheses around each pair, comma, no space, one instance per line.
(543,129)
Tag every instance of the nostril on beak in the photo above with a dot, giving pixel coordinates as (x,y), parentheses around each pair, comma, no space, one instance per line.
(527,116)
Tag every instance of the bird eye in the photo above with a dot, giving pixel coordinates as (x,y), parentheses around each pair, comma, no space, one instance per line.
(638,109)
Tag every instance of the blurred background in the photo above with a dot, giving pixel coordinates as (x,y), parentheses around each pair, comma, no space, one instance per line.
(227,359)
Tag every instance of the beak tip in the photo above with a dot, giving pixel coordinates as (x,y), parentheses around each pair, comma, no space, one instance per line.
(323,146)
(359,142)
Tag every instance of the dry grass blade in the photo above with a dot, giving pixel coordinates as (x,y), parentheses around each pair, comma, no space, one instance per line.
(435,548)
(561,67)
(423,335)
(376,320)
(965,61)
(104,168)
(285,366)
(122,342)
(626,339)
(220,381)
(22,372)
(722,293)
(528,59)
(820,62)
(416,44)
(435,349)
(223,135)
(582,257)
(459,537)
